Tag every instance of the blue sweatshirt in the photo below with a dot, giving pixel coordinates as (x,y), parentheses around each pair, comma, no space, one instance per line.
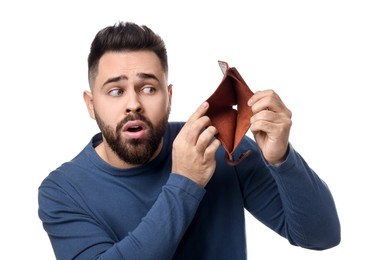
(91,210)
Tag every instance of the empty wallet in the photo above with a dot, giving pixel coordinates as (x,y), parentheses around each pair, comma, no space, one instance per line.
(229,112)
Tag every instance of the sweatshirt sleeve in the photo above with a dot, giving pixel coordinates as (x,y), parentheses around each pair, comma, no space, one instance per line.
(156,236)
(292,200)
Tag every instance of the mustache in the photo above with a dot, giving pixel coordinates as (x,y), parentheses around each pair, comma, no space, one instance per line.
(132,117)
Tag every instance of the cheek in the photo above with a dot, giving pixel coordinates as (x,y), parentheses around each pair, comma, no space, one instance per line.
(156,110)
(109,114)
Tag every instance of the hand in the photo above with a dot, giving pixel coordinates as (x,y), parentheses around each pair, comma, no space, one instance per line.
(270,124)
(194,148)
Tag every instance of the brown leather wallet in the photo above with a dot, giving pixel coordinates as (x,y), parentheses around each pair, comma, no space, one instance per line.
(229,112)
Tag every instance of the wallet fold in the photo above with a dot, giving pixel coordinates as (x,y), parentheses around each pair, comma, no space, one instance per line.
(229,111)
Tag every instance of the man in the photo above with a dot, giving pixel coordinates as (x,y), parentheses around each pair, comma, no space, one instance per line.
(144,188)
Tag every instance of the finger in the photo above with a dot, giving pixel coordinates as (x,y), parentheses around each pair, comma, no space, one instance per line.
(193,129)
(205,138)
(265,100)
(200,111)
(211,149)
(265,115)
(273,124)
(260,94)
(263,126)
(196,123)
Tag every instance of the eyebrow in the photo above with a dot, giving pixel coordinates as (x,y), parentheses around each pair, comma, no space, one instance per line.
(140,75)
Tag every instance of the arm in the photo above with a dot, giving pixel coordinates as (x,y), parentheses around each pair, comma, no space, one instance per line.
(293,201)
(311,219)
(76,234)
(290,197)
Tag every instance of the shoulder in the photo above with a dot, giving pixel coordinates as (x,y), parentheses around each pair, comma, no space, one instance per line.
(77,166)
(176,126)
(173,129)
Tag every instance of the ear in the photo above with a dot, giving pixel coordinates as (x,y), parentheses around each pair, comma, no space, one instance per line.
(88,97)
(170,95)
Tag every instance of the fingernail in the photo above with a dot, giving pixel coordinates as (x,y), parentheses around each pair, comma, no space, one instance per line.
(205,104)
(249,102)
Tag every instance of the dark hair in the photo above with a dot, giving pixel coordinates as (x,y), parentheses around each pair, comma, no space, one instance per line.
(125,36)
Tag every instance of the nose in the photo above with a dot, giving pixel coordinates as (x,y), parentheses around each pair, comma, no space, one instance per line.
(133,103)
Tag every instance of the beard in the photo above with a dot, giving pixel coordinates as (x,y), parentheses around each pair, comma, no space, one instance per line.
(134,151)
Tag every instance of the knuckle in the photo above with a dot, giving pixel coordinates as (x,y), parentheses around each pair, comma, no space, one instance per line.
(289,113)
(196,124)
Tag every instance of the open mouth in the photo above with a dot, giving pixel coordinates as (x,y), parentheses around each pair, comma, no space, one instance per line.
(134,129)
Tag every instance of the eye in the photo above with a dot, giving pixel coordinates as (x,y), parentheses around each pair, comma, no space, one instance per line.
(148,90)
(116,92)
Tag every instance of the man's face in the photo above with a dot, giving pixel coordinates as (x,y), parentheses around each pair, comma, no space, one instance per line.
(131,102)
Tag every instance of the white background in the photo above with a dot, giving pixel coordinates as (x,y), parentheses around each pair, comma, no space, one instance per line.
(313,53)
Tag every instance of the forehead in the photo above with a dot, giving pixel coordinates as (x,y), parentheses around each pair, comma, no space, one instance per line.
(115,63)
